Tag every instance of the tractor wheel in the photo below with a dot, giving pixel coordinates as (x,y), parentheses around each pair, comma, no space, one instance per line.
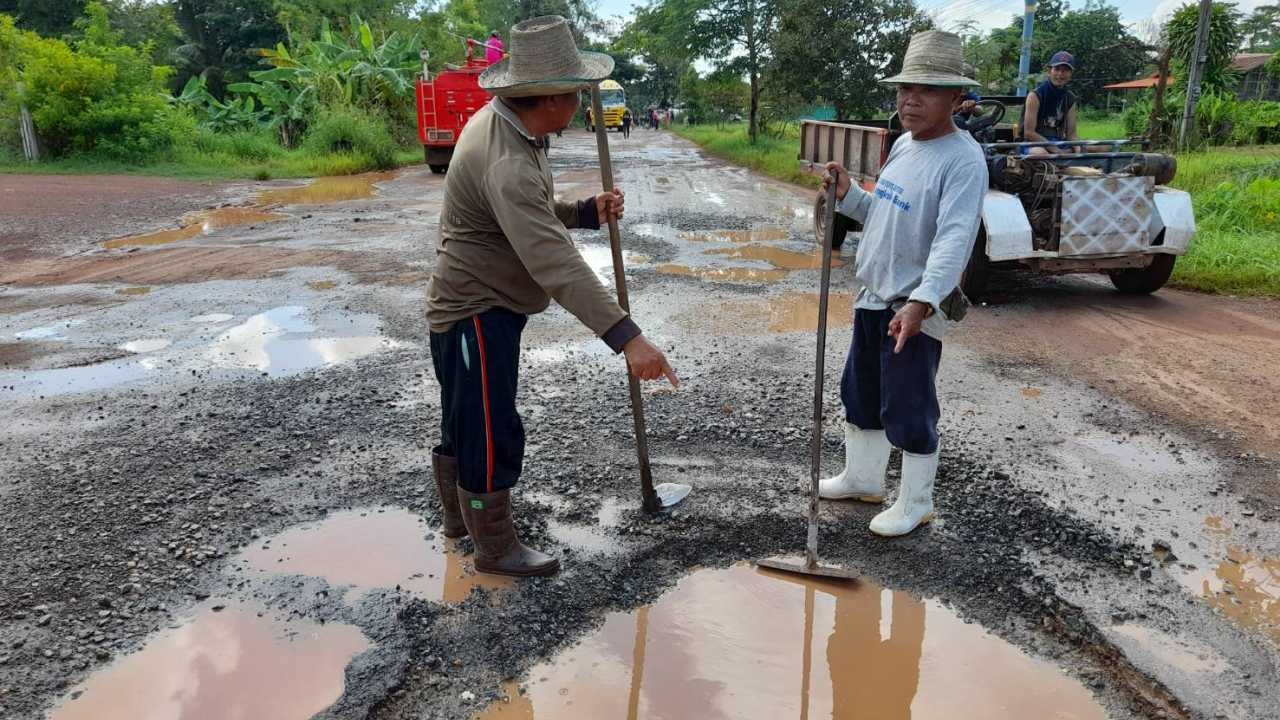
(1144,281)
(842,228)
(439,169)
(976,273)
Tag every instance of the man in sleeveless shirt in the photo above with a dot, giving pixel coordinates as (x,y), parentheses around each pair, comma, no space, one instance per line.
(1050,112)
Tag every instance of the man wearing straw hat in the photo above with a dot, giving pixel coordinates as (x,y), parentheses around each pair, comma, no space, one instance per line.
(919,226)
(504,253)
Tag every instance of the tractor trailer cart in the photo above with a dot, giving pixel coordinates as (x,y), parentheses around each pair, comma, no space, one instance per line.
(1100,207)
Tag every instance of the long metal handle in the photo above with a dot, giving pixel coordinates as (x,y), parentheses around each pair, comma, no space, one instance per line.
(648,496)
(815,444)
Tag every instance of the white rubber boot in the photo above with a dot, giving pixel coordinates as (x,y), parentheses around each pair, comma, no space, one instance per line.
(866,456)
(914,505)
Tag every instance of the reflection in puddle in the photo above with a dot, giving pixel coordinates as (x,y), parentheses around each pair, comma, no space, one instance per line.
(832,650)
(198,223)
(373,549)
(146,346)
(779,258)
(725,275)
(737,236)
(133,291)
(264,343)
(45,332)
(600,258)
(228,664)
(584,539)
(335,188)
(798,312)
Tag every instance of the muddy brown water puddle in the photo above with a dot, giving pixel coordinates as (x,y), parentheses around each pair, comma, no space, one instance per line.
(322,190)
(764,234)
(779,313)
(334,188)
(369,549)
(744,644)
(777,257)
(232,663)
(199,223)
(739,275)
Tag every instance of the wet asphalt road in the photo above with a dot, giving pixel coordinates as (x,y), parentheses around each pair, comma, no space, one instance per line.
(166,406)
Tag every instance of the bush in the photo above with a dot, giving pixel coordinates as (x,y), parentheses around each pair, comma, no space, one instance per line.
(355,132)
(96,98)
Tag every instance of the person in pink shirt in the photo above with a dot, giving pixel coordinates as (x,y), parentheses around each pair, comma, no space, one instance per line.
(493,48)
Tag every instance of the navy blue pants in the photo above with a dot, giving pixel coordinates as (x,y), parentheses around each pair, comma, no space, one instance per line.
(477,364)
(894,393)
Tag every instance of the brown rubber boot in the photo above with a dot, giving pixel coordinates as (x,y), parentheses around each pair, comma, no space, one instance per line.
(445,468)
(493,530)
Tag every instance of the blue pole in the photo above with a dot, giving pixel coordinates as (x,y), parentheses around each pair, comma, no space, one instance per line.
(1024,62)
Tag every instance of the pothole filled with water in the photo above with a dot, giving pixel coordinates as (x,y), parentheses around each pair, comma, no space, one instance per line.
(329,189)
(278,342)
(199,223)
(747,644)
(370,549)
(230,662)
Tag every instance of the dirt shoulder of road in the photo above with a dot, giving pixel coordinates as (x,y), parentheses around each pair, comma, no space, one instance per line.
(56,214)
(1205,364)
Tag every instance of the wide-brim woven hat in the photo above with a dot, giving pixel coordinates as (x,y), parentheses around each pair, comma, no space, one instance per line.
(544,60)
(934,57)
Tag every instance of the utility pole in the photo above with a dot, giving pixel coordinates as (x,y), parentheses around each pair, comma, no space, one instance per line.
(1024,61)
(1198,60)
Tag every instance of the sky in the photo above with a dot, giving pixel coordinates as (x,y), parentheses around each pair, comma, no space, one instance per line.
(988,14)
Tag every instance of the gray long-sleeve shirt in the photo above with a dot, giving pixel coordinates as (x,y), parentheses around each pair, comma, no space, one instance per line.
(919,224)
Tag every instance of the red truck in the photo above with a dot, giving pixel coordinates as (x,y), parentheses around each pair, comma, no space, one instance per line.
(446,102)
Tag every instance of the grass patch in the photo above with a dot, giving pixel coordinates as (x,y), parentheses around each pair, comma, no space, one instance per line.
(236,156)
(1108,128)
(774,155)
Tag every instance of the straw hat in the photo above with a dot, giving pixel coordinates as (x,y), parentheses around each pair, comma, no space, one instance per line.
(544,60)
(933,57)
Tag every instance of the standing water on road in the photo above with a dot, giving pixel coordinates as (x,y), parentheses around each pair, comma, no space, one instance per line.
(377,548)
(227,662)
(746,644)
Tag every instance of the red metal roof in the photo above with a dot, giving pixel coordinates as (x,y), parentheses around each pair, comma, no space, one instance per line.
(1139,84)
(1244,62)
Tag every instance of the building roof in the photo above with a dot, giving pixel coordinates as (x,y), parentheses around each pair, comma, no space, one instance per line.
(1139,84)
(1247,62)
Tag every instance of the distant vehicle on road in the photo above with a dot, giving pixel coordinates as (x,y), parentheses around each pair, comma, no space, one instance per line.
(613,102)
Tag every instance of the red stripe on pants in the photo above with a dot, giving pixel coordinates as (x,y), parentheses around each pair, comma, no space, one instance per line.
(488,419)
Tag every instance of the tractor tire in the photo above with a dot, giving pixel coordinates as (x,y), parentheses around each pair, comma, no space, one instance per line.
(439,169)
(1144,281)
(973,283)
(843,224)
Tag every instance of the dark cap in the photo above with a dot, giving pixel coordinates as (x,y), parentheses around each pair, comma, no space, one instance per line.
(1062,57)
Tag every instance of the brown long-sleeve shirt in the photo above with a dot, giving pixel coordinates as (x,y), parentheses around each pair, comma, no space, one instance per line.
(504,239)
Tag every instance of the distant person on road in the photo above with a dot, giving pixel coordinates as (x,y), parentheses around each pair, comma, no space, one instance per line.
(1050,112)
(626,122)
(493,48)
(919,227)
(504,253)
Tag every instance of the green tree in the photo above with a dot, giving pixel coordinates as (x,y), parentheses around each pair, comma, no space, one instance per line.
(302,18)
(838,52)
(51,18)
(738,36)
(223,38)
(1224,42)
(662,36)
(1104,49)
(1261,29)
(445,27)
